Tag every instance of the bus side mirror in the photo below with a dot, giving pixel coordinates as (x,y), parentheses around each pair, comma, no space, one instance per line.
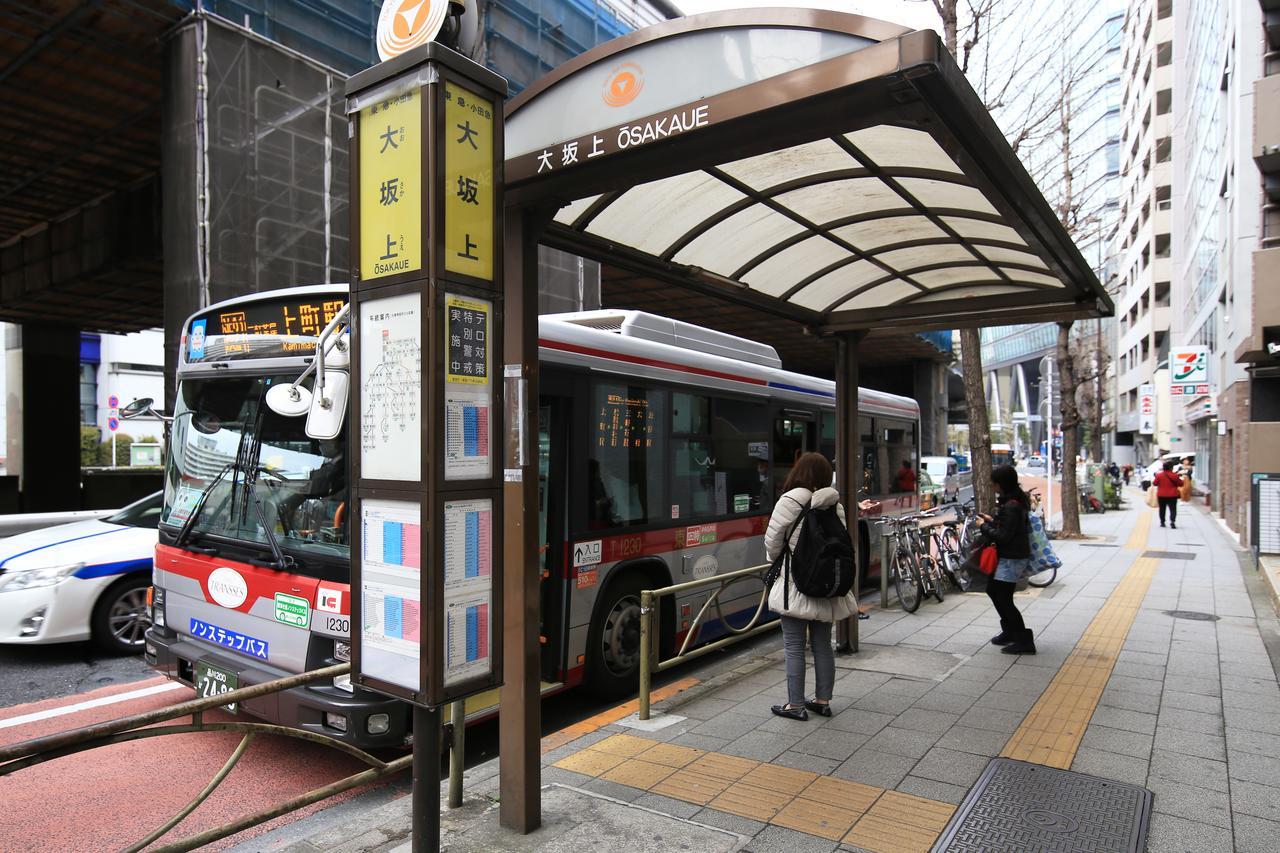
(142,406)
(328,406)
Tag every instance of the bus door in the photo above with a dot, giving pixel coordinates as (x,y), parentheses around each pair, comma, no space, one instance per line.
(553,423)
(795,432)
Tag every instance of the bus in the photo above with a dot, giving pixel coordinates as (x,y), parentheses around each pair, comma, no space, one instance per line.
(1001,454)
(662,447)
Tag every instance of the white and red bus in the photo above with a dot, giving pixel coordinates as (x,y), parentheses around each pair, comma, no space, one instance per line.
(662,447)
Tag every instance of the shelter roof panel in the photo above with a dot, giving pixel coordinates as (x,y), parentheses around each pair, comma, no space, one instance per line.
(893,147)
(834,200)
(998,254)
(820,292)
(780,167)
(878,233)
(965,292)
(568,214)
(723,246)
(781,269)
(945,194)
(653,216)
(979,229)
(1026,275)
(954,275)
(921,256)
(886,293)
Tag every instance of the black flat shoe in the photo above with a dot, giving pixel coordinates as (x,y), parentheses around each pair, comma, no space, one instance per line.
(864,616)
(790,713)
(822,709)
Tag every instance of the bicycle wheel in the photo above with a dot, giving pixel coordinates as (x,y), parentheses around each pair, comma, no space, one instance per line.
(951,563)
(1043,579)
(906,581)
(930,569)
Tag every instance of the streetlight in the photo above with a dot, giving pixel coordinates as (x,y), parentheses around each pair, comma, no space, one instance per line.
(1047,366)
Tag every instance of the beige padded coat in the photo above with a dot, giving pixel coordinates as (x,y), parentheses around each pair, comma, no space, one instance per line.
(785,513)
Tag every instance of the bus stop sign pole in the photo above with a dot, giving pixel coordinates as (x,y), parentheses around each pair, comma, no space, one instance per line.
(425,131)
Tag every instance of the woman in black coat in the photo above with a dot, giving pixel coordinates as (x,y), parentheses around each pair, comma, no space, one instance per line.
(1010,532)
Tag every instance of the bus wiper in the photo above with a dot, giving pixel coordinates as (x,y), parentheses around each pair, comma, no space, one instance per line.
(280,559)
(187,526)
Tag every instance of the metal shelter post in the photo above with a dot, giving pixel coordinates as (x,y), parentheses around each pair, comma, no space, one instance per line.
(426,780)
(849,465)
(520,721)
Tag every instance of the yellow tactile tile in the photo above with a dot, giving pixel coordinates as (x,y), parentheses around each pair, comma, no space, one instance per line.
(731,768)
(821,819)
(854,797)
(591,762)
(1141,530)
(900,822)
(1051,732)
(671,755)
(779,778)
(628,746)
(692,787)
(637,773)
(752,801)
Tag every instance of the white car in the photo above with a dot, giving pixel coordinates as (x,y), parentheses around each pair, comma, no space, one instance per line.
(80,581)
(945,474)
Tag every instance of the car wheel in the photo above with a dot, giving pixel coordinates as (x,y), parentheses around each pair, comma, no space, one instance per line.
(120,617)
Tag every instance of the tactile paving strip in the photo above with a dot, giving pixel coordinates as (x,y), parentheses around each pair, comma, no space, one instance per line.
(1016,806)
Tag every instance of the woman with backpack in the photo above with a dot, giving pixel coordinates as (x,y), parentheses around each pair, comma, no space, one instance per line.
(808,487)
(1168,490)
(1009,531)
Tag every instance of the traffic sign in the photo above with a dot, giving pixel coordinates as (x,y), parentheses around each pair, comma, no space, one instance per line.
(113,402)
(113,424)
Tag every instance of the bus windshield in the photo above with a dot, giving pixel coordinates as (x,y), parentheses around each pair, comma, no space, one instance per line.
(262,474)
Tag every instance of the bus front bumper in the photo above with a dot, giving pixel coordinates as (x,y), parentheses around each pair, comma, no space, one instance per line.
(311,708)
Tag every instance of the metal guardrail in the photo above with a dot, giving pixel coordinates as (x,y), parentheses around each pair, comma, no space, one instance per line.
(25,522)
(650,600)
(139,726)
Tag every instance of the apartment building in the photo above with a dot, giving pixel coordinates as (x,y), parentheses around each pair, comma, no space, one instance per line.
(1142,248)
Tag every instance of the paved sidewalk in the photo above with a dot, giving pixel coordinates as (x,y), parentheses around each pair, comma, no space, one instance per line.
(1186,705)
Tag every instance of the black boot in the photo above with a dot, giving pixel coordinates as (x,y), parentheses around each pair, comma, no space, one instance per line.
(1024,645)
(1005,637)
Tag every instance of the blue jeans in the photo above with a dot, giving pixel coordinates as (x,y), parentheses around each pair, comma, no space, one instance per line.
(1011,570)
(794,632)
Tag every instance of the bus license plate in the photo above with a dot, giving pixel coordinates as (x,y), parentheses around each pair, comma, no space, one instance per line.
(213,681)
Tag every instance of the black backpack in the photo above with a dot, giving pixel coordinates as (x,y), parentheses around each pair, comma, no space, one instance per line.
(822,563)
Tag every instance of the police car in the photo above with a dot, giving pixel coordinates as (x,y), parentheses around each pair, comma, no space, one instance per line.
(86,580)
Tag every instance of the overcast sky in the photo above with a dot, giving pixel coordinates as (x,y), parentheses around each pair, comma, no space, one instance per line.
(917,14)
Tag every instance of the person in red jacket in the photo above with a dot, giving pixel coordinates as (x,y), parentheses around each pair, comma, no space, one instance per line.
(1168,486)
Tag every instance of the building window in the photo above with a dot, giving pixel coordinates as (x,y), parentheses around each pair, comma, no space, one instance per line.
(89,394)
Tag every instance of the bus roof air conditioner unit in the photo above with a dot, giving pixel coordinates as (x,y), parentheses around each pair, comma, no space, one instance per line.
(663,330)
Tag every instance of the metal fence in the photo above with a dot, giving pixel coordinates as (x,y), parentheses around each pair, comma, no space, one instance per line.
(650,601)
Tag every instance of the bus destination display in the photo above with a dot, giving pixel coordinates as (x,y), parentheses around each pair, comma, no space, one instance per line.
(625,422)
(261,328)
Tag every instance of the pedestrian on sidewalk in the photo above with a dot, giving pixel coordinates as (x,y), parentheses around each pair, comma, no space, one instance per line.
(1010,532)
(1168,490)
(808,485)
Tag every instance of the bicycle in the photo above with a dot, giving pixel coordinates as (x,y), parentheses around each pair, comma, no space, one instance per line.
(932,579)
(903,568)
(947,543)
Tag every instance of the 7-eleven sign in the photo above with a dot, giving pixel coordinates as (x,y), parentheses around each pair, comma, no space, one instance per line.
(1189,365)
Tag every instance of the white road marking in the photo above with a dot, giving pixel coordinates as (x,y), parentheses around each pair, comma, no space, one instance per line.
(49,713)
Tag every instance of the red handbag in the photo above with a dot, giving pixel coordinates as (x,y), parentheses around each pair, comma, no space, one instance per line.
(988,560)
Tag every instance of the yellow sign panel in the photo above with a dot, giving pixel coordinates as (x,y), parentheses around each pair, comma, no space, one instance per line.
(391,188)
(466,340)
(469,231)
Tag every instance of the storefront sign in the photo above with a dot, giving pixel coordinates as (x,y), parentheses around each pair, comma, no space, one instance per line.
(1188,365)
(391,186)
(1147,409)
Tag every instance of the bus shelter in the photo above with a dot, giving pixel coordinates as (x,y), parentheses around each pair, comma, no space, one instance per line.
(818,167)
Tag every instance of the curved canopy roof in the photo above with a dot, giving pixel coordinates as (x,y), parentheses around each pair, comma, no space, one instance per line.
(826,167)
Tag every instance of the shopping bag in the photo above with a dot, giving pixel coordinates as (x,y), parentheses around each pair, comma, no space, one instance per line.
(1043,557)
(1184,491)
(1152,500)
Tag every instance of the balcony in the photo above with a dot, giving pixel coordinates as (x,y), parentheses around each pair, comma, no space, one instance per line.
(1266,308)
(1266,124)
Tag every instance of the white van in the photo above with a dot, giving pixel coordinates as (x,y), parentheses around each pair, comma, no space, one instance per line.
(944,471)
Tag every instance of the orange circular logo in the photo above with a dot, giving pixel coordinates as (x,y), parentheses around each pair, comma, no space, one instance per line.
(623,84)
(406,24)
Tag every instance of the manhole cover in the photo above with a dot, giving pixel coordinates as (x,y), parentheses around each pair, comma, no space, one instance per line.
(1191,614)
(1016,806)
(1170,555)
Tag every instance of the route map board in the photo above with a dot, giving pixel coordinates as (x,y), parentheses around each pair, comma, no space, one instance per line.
(390,590)
(391,387)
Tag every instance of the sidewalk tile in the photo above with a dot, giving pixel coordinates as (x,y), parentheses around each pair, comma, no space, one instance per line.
(668,805)
(627,746)
(1110,765)
(907,687)
(786,779)
(1183,800)
(905,742)
(637,773)
(751,801)
(1191,702)
(671,755)
(1189,769)
(900,823)
(1133,744)
(1190,742)
(1252,719)
(1170,833)
(691,786)
(732,822)
(852,796)
(1255,835)
(1191,721)
(812,763)
(991,720)
(815,818)
(1254,743)
(884,703)
(779,839)
(1256,800)
(976,741)
(873,767)
(859,720)
(731,725)
(932,789)
(590,762)
(832,743)
(761,745)
(1118,718)
(934,722)
(696,741)
(727,767)
(616,790)
(952,766)
(1254,768)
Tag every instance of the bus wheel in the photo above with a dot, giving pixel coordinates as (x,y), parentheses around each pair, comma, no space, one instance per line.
(613,643)
(120,617)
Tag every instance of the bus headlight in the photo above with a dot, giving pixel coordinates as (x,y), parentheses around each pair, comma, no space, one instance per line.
(157,607)
(18,579)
